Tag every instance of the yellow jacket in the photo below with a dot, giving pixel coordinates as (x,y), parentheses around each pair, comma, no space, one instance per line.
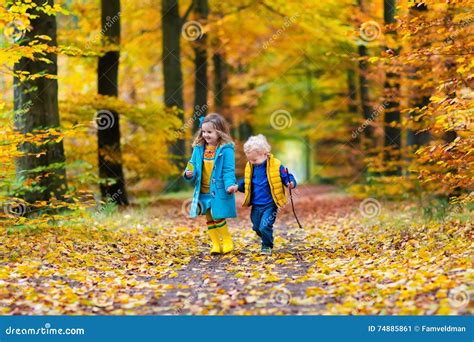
(277,187)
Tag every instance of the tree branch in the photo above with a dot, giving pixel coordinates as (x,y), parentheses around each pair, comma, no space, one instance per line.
(238,9)
(186,14)
(271,9)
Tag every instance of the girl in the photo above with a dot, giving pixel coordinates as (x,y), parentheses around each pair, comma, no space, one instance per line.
(211,169)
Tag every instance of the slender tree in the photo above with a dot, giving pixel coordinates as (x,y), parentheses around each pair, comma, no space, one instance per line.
(36,108)
(392,132)
(220,80)
(244,129)
(418,97)
(352,95)
(450,66)
(107,120)
(201,10)
(364,94)
(173,77)
(364,89)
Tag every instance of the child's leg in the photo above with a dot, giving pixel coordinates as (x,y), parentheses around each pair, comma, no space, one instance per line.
(213,234)
(269,214)
(255,217)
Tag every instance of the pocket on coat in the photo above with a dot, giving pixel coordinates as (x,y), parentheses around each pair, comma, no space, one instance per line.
(220,184)
(222,194)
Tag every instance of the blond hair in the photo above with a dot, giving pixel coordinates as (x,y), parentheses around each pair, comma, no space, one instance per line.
(220,125)
(257,143)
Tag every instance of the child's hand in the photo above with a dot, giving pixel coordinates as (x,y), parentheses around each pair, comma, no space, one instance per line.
(291,185)
(233,188)
(189,170)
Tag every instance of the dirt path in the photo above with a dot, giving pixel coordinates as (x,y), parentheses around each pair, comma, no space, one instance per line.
(155,260)
(246,282)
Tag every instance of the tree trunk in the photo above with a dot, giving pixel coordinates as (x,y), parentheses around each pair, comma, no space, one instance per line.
(220,82)
(364,97)
(173,78)
(352,90)
(201,9)
(392,136)
(415,138)
(368,139)
(355,159)
(352,94)
(36,107)
(418,97)
(244,129)
(309,106)
(107,120)
(450,65)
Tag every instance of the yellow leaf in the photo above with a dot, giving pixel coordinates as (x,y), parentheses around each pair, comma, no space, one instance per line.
(314,291)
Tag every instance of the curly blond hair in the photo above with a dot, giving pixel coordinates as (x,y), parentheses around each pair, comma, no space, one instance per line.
(257,143)
(221,126)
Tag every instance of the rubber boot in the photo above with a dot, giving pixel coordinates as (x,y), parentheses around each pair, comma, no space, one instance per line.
(215,239)
(227,244)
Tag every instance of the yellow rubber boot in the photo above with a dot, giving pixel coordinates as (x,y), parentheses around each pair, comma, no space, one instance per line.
(215,239)
(227,244)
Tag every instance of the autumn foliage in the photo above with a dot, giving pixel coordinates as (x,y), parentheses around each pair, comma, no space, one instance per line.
(369,104)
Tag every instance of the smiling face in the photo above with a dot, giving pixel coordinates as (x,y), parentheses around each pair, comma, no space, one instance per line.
(256,157)
(209,133)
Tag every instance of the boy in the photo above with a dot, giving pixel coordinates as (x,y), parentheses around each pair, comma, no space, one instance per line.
(263,185)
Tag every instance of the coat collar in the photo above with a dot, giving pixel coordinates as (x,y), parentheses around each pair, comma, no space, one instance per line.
(219,149)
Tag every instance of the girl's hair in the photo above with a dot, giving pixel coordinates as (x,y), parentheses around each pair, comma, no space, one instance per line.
(221,126)
(257,143)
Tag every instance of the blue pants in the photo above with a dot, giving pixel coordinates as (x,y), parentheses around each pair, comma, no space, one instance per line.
(263,217)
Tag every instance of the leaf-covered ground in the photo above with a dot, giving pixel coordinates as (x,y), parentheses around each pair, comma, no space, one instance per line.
(156,261)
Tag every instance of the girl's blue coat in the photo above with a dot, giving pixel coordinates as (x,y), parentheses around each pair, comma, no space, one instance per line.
(223,176)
